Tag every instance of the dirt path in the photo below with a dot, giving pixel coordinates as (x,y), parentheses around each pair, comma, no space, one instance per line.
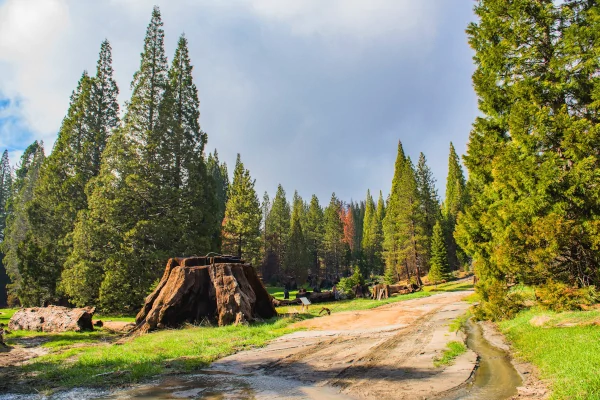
(385,352)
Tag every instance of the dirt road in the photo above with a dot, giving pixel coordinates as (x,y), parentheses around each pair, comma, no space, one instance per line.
(383,353)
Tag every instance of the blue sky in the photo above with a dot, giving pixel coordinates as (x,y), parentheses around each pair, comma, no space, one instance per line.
(314,94)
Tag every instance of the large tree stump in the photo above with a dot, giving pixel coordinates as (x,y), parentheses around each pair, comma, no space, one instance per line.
(53,319)
(220,289)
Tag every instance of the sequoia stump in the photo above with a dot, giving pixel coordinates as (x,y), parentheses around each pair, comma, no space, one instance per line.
(221,289)
(53,319)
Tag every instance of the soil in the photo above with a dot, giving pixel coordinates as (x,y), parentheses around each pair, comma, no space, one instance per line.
(386,352)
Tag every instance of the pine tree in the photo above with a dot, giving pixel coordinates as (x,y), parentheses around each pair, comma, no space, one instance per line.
(241,226)
(6,178)
(153,198)
(369,236)
(103,108)
(439,269)
(454,203)
(391,250)
(297,259)
(17,222)
(220,176)
(532,156)
(5,192)
(428,195)
(314,234)
(333,238)
(148,85)
(278,225)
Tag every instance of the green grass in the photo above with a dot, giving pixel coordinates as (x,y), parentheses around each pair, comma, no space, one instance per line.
(277,291)
(352,305)
(6,314)
(454,349)
(568,357)
(167,351)
(453,286)
(120,318)
(459,322)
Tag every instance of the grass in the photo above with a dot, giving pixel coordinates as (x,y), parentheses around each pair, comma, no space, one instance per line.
(459,322)
(6,314)
(454,349)
(92,359)
(352,305)
(568,357)
(453,286)
(167,351)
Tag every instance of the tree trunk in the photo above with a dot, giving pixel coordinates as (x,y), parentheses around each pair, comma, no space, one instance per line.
(219,289)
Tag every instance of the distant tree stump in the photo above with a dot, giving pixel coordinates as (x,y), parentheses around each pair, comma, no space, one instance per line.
(222,289)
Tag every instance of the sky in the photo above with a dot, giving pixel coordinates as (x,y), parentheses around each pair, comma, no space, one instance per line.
(314,94)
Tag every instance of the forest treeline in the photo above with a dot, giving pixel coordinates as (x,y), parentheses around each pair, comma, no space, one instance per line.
(93,222)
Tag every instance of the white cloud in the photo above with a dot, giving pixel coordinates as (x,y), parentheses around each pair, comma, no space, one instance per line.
(359,18)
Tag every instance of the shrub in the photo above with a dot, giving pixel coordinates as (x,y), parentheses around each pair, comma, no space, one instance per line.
(558,296)
(347,284)
(497,301)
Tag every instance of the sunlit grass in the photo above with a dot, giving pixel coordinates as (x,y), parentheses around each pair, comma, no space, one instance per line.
(454,349)
(568,357)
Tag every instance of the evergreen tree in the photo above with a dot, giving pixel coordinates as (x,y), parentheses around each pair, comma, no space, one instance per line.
(314,234)
(103,109)
(148,86)
(391,238)
(6,178)
(5,192)
(17,223)
(333,238)
(220,176)
(454,203)
(428,196)
(439,269)
(297,259)
(532,156)
(241,226)
(278,225)
(369,236)
(153,197)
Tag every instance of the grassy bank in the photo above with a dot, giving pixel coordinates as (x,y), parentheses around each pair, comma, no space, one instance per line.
(565,348)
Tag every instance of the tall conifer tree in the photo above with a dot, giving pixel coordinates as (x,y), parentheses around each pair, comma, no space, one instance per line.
(279,225)
(454,203)
(5,192)
(241,226)
(17,223)
(314,234)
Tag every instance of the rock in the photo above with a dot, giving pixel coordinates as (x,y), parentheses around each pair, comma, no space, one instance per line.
(53,319)
(223,289)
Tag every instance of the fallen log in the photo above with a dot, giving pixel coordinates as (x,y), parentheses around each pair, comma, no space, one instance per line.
(223,289)
(288,302)
(53,319)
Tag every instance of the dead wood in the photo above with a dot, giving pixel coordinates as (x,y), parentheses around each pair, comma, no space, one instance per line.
(222,289)
(53,319)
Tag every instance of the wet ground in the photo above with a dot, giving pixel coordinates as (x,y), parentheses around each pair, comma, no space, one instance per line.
(383,353)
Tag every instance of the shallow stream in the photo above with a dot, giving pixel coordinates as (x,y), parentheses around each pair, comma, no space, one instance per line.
(496,378)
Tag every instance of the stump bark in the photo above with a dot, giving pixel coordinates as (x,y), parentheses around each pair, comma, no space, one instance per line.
(53,319)
(224,290)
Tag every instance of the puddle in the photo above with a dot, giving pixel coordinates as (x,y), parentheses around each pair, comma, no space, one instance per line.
(495,378)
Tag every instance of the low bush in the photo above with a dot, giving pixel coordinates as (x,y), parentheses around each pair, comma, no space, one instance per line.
(558,296)
(497,301)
